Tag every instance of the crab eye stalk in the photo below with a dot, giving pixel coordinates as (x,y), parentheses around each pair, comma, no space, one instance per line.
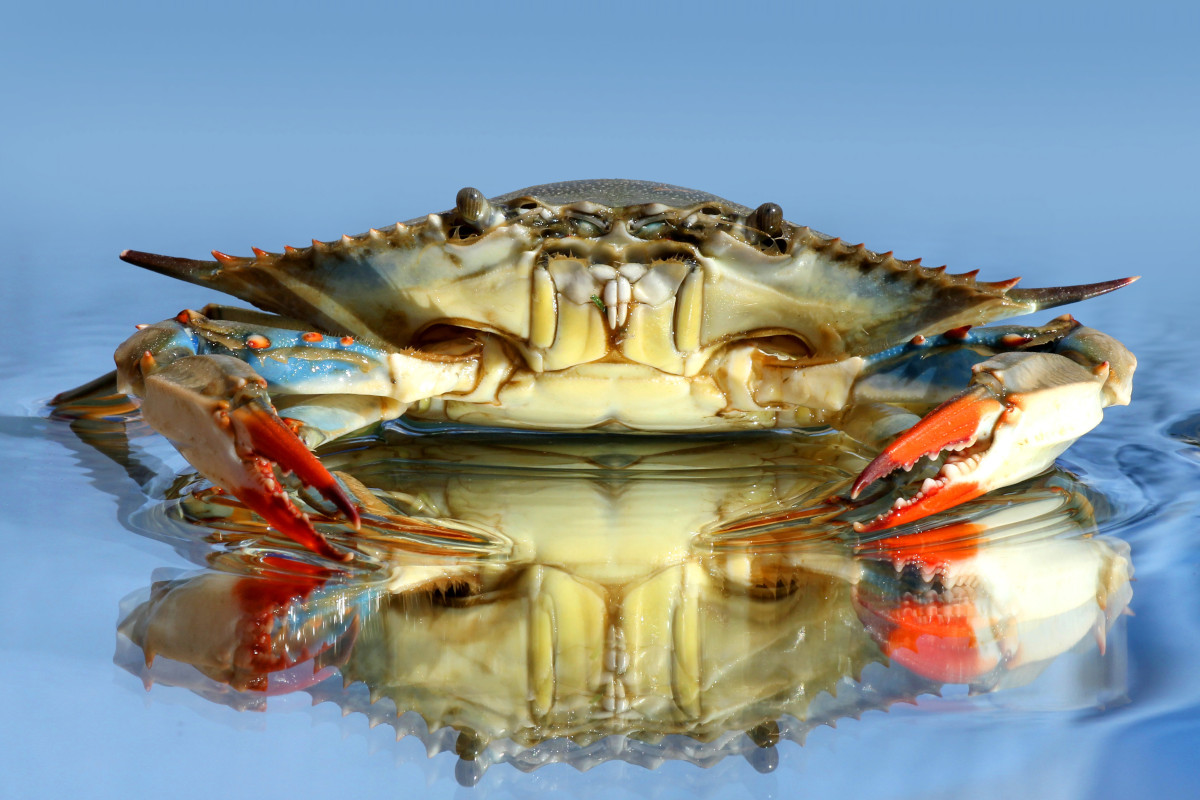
(472,207)
(768,218)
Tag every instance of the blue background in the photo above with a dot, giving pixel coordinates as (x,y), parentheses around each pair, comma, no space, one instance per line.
(182,129)
(1053,140)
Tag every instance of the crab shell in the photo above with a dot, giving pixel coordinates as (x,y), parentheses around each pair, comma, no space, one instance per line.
(616,270)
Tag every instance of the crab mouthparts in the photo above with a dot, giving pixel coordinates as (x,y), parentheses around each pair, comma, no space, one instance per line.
(962,426)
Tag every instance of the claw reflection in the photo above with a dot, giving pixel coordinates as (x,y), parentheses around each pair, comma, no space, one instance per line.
(537,599)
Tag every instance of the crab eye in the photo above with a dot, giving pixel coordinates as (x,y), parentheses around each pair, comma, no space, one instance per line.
(586,226)
(650,229)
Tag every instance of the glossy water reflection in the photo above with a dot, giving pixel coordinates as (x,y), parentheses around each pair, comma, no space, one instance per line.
(534,599)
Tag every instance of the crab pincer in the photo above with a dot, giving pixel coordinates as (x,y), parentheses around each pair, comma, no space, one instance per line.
(956,425)
(217,412)
(263,439)
(1020,412)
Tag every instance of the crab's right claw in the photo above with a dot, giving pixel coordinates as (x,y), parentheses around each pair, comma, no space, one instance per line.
(1020,412)
(261,434)
(216,410)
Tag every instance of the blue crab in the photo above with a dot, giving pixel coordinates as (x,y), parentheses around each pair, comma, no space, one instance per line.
(614,305)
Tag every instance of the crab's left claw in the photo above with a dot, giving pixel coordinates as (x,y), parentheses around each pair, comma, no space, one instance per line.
(216,410)
(1020,412)
(957,425)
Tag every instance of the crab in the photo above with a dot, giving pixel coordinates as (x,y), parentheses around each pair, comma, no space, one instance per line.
(615,306)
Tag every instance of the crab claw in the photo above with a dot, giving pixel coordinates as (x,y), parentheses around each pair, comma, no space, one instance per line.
(956,425)
(263,439)
(259,430)
(274,633)
(216,410)
(1021,411)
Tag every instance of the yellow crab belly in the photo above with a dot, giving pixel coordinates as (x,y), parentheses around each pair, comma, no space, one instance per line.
(604,395)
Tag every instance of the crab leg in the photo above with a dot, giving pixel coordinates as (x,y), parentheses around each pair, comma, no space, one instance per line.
(197,390)
(1020,411)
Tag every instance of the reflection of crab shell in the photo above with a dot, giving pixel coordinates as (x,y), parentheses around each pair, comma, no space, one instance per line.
(645,629)
(635,639)
(550,656)
(738,634)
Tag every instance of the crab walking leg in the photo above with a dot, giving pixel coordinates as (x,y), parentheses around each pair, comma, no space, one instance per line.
(203,384)
(1020,411)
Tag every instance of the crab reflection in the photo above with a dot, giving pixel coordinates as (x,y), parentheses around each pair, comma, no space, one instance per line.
(528,600)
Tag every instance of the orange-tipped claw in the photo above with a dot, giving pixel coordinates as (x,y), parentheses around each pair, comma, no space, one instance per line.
(958,421)
(937,639)
(263,433)
(215,409)
(263,494)
(923,506)
(955,424)
(933,634)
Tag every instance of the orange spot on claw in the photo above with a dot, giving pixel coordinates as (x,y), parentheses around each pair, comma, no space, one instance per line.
(258,341)
(347,340)
(311,336)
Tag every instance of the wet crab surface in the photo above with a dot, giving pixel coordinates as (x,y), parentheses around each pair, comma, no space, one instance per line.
(612,305)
